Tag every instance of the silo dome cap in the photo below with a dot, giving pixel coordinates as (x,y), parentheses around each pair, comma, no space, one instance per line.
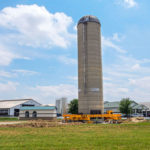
(88,18)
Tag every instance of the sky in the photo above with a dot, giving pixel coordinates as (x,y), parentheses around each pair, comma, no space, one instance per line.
(38,48)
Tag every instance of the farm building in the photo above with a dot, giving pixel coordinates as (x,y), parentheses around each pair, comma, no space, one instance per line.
(146,112)
(137,109)
(38,112)
(11,108)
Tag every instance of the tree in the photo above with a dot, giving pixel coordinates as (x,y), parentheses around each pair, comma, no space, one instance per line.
(73,106)
(125,106)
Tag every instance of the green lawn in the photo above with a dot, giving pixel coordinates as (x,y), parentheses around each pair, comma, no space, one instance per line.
(77,137)
(8,119)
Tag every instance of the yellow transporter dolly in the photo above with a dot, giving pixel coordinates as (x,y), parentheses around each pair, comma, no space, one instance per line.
(88,117)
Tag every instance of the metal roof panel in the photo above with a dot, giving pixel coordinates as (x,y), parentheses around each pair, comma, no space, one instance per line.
(12,103)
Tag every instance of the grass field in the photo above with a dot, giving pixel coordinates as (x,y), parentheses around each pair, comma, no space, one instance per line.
(77,137)
(8,119)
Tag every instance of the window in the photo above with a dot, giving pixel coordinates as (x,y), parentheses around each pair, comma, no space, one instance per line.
(4,112)
(23,105)
(27,114)
(34,114)
(95,111)
(16,112)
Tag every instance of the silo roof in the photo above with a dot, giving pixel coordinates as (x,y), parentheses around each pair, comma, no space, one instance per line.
(88,18)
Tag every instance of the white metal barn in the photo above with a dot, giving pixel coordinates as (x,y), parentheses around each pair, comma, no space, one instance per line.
(12,107)
(38,112)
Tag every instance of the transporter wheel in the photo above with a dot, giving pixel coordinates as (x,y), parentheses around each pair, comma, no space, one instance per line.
(63,121)
(84,121)
(110,121)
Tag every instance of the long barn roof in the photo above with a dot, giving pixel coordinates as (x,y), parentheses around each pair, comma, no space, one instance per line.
(12,103)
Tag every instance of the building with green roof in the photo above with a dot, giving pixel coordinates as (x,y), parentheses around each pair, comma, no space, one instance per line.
(38,112)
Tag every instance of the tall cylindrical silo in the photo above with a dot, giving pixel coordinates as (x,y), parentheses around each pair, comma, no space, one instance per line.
(90,84)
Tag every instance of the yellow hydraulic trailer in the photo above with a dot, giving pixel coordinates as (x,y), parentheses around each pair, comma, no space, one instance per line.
(88,117)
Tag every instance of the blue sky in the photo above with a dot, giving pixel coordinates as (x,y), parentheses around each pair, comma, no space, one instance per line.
(38,48)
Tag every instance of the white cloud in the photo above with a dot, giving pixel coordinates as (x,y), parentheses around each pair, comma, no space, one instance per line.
(125,70)
(35,26)
(5,74)
(67,60)
(15,73)
(106,42)
(115,37)
(142,82)
(43,93)
(56,91)
(8,87)
(129,77)
(75,78)
(140,88)
(6,56)
(127,3)
(130,3)
(75,27)
(132,65)
(25,72)
(137,89)
(106,78)
(136,67)
(114,91)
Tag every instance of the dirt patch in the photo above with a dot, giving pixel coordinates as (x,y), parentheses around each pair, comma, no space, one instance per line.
(40,124)
(57,123)
(134,120)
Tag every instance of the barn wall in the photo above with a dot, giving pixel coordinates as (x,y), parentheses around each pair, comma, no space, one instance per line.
(40,114)
(19,106)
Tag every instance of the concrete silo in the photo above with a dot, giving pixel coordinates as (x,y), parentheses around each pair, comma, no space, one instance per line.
(90,83)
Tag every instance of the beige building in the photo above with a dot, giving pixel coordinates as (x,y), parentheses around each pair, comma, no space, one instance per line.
(61,106)
(90,66)
(39,112)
